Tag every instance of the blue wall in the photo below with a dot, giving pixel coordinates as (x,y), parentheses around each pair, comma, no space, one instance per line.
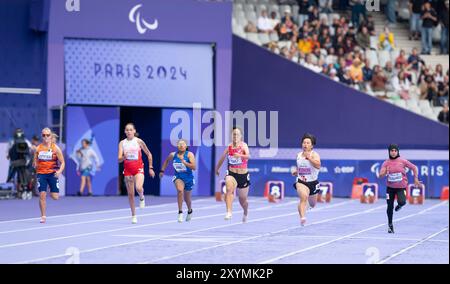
(339,116)
(22,65)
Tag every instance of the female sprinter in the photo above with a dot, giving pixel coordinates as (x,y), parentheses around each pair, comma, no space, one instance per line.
(237,176)
(45,161)
(130,153)
(183,162)
(307,171)
(395,169)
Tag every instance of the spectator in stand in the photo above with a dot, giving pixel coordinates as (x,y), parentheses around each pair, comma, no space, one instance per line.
(250,27)
(363,38)
(443,91)
(265,24)
(358,9)
(390,75)
(348,45)
(415,9)
(314,14)
(287,25)
(367,71)
(386,40)
(370,25)
(328,44)
(429,19)
(390,12)
(333,76)
(401,86)
(414,59)
(429,90)
(379,79)
(274,21)
(401,60)
(439,74)
(315,41)
(444,27)
(305,44)
(356,74)
(331,57)
(326,6)
(303,11)
(443,115)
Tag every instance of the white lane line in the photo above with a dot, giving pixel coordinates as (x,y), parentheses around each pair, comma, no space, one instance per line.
(348,236)
(135,227)
(411,246)
(190,232)
(121,229)
(99,212)
(262,235)
(45,226)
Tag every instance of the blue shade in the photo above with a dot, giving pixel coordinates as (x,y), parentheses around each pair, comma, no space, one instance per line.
(99,125)
(433,174)
(137,73)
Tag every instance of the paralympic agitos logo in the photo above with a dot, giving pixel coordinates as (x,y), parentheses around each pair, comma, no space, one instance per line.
(141,24)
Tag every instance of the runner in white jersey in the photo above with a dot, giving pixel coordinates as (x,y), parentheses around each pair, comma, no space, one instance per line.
(307,172)
(130,153)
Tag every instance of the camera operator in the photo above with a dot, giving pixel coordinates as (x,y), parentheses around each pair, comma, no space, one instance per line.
(19,154)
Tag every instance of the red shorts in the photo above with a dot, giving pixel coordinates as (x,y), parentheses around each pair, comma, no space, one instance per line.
(133,169)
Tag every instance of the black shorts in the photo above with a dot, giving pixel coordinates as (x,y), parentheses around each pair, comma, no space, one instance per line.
(243,180)
(312,185)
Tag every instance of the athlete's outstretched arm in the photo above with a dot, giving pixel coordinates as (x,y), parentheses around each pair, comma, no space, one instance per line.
(222,158)
(164,166)
(120,158)
(149,156)
(60,157)
(35,159)
(191,163)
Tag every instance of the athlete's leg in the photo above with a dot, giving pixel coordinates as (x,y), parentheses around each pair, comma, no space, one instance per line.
(179,185)
(303,194)
(129,181)
(401,199)
(89,184)
(231,185)
(82,184)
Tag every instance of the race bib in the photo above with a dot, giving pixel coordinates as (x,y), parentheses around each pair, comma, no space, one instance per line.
(234,161)
(45,156)
(179,167)
(304,170)
(132,156)
(395,177)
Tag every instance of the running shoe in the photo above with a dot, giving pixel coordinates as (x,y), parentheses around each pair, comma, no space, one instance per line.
(189,216)
(228,216)
(142,203)
(180,217)
(133,220)
(43,219)
(391,229)
(302,221)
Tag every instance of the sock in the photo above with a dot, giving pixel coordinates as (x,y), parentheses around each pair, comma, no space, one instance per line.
(190,211)
(180,212)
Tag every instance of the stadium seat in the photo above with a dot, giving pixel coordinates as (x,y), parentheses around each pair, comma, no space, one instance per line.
(253,37)
(249,8)
(373,58)
(264,38)
(383,57)
(274,37)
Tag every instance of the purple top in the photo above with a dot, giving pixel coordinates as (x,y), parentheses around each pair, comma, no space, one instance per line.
(396,172)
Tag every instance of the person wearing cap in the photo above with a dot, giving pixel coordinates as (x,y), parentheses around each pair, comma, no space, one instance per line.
(395,170)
